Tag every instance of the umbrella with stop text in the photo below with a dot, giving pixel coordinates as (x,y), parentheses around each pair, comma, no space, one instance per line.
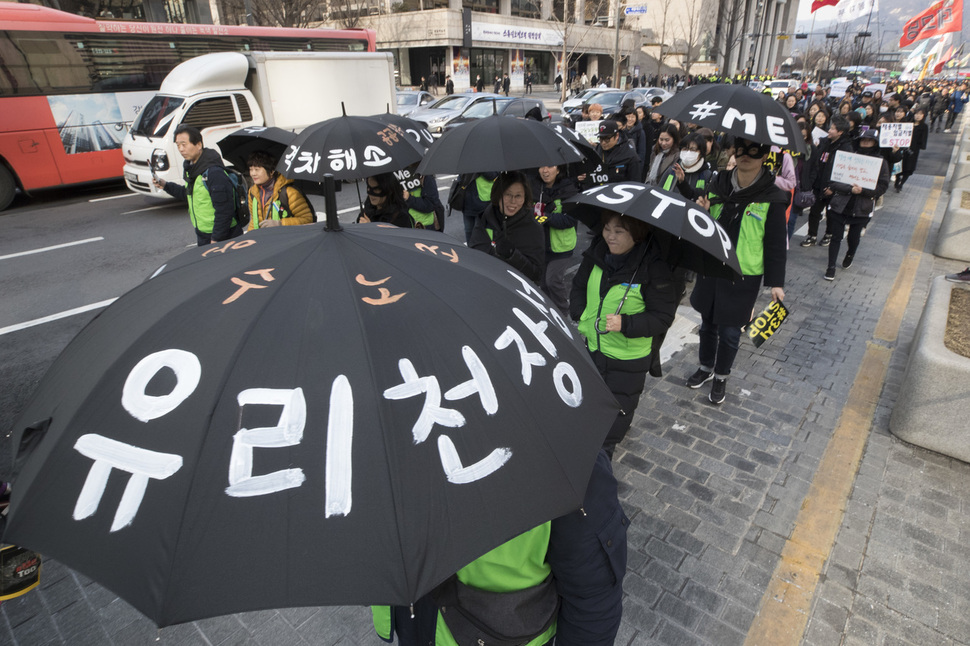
(668,212)
(306,417)
(737,110)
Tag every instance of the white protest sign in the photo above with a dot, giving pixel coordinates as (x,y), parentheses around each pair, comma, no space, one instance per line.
(895,134)
(589,130)
(818,134)
(875,87)
(839,86)
(850,168)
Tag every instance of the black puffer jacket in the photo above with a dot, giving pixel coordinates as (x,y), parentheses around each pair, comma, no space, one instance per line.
(518,240)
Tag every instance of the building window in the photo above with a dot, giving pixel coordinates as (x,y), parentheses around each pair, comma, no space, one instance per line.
(526,8)
(485,6)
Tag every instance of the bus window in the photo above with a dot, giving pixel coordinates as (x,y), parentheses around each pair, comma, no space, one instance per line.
(156,116)
(207,113)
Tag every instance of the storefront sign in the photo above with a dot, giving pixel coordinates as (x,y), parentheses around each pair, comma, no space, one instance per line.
(515,34)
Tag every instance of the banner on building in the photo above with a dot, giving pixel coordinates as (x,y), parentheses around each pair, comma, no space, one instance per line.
(942,17)
(466,28)
(495,33)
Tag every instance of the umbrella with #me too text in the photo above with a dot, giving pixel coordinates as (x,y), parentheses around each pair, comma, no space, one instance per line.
(737,110)
(306,417)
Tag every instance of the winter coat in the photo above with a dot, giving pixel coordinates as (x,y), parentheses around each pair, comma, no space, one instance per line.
(644,268)
(210,196)
(921,133)
(390,212)
(638,136)
(558,226)
(859,207)
(518,240)
(588,555)
(728,302)
(691,186)
(826,158)
(666,161)
(261,208)
(618,164)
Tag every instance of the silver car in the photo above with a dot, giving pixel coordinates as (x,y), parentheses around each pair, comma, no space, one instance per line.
(410,100)
(439,113)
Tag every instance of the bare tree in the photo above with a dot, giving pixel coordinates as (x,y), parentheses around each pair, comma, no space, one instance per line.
(564,21)
(691,25)
(729,34)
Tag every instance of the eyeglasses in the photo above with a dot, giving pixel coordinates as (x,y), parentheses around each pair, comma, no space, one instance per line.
(754,151)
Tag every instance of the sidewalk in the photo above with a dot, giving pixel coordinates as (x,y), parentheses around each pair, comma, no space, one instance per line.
(737,530)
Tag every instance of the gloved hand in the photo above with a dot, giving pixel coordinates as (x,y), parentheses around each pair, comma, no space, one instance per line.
(504,248)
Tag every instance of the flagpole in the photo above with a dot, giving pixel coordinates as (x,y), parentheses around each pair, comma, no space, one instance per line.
(862,40)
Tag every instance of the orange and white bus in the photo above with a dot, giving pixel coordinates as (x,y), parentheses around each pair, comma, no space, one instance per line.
(70,86)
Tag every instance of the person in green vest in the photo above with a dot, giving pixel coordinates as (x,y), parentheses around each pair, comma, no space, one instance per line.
(208,189)
(424,204)
(478,195)
(751,208)
(508,230)
(623,296)
(274,200)
(550,187)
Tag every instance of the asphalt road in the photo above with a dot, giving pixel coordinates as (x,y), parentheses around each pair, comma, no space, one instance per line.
(64,254)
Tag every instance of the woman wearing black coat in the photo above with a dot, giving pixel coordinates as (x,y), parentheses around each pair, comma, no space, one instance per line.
(508,229)
(385,202)
(549,188)
(921,133)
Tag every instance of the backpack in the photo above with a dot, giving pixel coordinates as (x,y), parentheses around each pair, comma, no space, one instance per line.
(285,200)
(240,196)
(456,196)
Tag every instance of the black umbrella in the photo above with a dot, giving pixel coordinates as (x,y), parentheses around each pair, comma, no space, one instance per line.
(591,158)
(416,130)
(239,145)
(737,110)
(667,211)
(497,143)
(349,148)
(307,417)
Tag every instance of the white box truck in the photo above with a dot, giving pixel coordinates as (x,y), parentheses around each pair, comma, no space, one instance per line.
(223,92)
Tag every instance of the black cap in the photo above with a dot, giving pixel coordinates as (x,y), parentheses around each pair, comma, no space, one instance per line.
(871,133)
(607,129)
(867,93)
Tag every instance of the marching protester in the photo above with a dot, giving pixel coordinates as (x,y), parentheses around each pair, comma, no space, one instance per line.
(618,158)
(549,188)
(665,152)
(853,206)
(508,229)
(837,140)
(805,171)
(424,205)
(385,202)
(746,202)
(208,190)
(274,200)
(911,154)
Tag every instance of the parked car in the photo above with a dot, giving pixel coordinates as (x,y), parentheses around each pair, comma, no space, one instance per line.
(649,92)
(504,106)
(757,86)
(779,85)
(437,115)
(410,100)
(570,105)
(610,100)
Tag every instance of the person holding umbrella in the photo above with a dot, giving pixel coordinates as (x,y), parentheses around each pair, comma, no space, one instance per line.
(550,187)
(623,296)
(385,202)
(751,208)
(273,199)
(618,158)
(508,229)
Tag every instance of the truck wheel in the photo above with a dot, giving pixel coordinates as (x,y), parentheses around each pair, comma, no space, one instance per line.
(8,187)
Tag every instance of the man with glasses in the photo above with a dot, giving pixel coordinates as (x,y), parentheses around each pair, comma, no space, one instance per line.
(746,202)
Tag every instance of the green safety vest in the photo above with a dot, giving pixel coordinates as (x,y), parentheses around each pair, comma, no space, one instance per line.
(424,219)
(669,182)
(484,188)
(751,240)
(613,344)
(201,211)
(561,240)
(277,212)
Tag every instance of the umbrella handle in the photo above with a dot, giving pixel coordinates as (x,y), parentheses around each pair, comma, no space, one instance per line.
(330,203)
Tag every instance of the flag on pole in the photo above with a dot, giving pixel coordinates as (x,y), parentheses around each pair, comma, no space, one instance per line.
(818,4)
(943,60)
(852,9)
(942,17)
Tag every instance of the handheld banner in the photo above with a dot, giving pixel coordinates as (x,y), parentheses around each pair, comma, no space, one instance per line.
(850,168)
(19,571)
(763,326)
(895,134)
(590,130)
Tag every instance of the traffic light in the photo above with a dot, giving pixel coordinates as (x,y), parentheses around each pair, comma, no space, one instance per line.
(801,35)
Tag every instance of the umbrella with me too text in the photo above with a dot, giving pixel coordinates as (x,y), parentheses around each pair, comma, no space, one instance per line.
(306,417)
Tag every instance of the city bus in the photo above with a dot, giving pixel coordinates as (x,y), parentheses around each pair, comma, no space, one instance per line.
(70,86)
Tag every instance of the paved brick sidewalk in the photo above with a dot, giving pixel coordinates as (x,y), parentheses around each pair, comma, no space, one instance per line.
(712,493)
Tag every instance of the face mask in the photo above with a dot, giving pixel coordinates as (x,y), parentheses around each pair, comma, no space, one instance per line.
(689,157)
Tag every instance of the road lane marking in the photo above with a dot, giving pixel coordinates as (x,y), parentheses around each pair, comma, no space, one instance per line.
(51,248)
(150,208)
(787,601)
(113,197)
(53,317)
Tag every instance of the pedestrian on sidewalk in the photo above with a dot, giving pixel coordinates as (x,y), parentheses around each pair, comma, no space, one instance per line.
(921,133)
(837,140)
(746,202)
(853,205)
(957,100)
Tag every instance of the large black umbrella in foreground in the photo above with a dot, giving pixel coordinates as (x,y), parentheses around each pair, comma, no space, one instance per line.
(668,212)
(497,143)
(239,145)
(591,158)
(737,110)
(307,417)
(349,148)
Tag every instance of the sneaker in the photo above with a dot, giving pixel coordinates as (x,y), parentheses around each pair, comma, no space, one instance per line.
(847,261)
(808,241)
(962,277)
(830,273)
(718,390)
(826,239)
(947,131)
(699,378)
